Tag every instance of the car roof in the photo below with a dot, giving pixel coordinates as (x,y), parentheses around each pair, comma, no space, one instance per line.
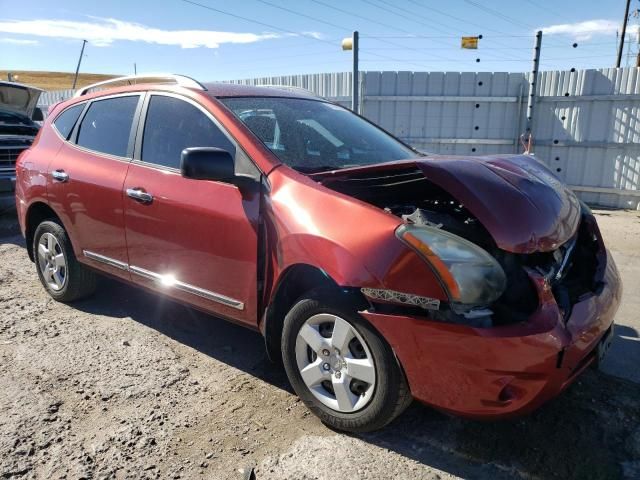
(164,81)
(214,90)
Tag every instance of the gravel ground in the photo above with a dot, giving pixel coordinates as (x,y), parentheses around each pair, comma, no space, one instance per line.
(130,385)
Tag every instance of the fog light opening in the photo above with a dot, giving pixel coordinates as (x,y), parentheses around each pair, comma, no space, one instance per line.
(507,394)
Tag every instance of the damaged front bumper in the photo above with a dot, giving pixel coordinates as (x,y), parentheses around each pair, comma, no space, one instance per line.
(505,370)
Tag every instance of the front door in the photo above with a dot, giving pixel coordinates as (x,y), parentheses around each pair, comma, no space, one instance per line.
(195,240)
(86,179)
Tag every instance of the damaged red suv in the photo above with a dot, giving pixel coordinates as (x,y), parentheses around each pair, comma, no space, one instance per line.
(377,274)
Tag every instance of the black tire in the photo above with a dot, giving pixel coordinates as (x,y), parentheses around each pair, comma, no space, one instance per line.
(391,395)
(79,281)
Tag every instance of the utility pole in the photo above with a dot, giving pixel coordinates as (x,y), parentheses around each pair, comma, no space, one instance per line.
(352,44)
(624,33)
(135,68)
(75,79)
(532,89)
(355,100)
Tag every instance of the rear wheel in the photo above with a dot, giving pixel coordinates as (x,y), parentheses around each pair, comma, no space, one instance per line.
(64,278)
(342,369)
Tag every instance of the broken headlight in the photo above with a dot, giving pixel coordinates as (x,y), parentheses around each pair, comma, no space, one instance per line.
(470,276)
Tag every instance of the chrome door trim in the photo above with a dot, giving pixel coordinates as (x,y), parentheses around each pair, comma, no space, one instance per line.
(166,281)
(171,282)
(112,262)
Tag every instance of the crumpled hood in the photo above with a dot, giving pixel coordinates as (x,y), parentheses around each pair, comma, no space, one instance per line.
(523,206)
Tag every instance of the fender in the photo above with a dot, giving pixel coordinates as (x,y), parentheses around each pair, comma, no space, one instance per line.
(335,240)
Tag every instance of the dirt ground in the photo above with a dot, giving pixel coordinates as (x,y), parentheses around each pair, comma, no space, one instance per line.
(129,385)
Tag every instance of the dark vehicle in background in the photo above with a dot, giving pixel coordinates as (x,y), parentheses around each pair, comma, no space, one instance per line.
(18,116)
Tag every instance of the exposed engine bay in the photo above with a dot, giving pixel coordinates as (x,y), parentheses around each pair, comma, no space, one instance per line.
(407,193)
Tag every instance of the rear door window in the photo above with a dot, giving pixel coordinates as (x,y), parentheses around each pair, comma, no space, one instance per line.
(106,127)
(172,125)
(66,120)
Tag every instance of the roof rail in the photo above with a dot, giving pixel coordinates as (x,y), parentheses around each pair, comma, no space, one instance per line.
(180,80)
(291,88)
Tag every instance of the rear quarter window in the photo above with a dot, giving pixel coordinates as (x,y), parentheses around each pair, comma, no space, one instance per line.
(106,127)
(65,122)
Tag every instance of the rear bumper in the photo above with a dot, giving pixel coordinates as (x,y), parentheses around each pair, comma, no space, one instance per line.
(502,371)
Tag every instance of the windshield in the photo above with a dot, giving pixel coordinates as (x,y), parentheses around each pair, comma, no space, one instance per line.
(312,136)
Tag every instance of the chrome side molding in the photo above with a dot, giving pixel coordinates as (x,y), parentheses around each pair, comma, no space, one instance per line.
(112,262)
(166,281)
(170,281)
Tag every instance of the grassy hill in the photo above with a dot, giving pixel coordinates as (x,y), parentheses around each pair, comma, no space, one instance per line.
(54,80)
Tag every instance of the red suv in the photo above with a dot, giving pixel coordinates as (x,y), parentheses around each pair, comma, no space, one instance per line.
(376,273)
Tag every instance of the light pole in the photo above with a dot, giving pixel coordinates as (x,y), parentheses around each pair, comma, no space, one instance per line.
(75,79)
(352,44)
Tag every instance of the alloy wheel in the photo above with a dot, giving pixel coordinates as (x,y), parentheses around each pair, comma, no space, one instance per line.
(335,363)
(52,262)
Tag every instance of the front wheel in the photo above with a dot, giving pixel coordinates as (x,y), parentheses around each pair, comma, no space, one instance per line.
(340,367)
(64,278)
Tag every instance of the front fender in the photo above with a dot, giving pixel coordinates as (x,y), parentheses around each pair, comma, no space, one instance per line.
(333,259)
(353,242)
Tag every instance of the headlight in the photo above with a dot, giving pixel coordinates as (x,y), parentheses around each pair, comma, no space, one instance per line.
(470,276)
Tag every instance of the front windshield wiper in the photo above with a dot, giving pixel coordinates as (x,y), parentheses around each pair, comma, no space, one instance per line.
(318,168)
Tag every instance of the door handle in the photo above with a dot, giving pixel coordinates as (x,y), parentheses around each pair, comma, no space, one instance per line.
(140,195)
(60,175)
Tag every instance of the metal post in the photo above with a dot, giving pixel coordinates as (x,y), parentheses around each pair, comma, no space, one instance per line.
(75,78)
(624,32)
(356,76)
(533,84)
(518,129)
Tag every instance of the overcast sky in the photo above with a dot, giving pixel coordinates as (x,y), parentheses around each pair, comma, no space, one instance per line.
(216,39)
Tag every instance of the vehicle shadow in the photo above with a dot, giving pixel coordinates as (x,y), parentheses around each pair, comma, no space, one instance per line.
(232,344)
(624,353)
(584,433)
(581,434)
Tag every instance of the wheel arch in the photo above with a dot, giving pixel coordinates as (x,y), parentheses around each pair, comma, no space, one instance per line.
(296,281)
(36,214)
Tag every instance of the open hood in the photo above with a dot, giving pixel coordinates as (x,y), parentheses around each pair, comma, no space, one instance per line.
(19,98)
(520,203)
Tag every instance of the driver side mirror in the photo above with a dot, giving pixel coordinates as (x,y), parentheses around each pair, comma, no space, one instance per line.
(207,163)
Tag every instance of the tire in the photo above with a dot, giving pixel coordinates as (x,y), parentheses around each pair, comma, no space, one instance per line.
(63,277)
(376,400)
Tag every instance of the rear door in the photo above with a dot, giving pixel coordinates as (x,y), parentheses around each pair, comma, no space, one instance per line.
(195,240)
(86,179)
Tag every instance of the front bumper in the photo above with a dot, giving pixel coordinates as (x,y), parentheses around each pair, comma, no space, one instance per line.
(7,191)
(502,371)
